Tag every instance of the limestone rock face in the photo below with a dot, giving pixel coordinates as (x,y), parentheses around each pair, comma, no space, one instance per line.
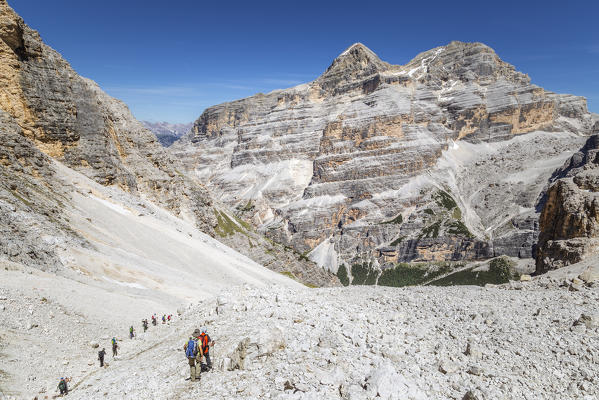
(32,201)
(71,120)
(51,118)
(569,222)
(386,163)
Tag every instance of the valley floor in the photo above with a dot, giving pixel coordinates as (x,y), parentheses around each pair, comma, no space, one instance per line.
(518,341)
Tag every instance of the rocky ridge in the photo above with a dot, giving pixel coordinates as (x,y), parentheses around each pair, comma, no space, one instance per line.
(380,163)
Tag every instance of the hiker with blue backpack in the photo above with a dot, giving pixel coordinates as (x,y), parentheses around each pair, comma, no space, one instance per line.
(193,352)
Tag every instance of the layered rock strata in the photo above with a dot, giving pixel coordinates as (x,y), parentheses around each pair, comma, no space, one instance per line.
(350,166)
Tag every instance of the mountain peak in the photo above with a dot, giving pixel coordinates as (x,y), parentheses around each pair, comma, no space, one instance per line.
(356,61)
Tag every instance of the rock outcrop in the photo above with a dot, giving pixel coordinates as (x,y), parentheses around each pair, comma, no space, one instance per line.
(569,222)
(387,163)
(32,201)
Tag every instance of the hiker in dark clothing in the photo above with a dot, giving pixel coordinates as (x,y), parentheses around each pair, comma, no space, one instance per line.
(115,347)
(101,355)
(154,319)
(145,324)
(63,387)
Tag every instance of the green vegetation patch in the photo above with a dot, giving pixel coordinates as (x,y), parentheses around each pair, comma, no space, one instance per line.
(458,228)
(22,199)
(397,220)
(429,211)
(431,231)
(397,241)
(342,275)
(445,200)
(248,207)
(500,271)
(363,274)
(288,274)
(243,223)
(411,274)
(304,256)
(226,226)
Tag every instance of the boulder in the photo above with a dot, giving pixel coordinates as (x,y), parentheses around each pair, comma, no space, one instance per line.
(386,383)
(525,278)
(259,346)
(447,367)
(590,275)
(589,321)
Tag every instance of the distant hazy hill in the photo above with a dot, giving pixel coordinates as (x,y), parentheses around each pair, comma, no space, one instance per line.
(167,133)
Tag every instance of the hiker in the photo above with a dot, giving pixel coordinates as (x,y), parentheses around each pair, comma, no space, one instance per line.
(193,352)
(131,330)
(145,324)
(154,319)
(115,347)
(63,387)
(101,355)
(205,344)
(163,318)
(169,318)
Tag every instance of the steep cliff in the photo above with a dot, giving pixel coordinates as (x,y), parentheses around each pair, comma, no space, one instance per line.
(71,120)
(51,118)
(569,222)
(387,163)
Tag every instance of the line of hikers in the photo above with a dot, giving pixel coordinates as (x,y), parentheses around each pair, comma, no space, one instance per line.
(63,386)
(196,348)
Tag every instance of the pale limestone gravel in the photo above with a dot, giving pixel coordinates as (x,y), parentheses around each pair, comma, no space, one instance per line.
(353,343)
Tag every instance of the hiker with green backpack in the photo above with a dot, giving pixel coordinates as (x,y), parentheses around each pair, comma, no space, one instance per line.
(115,347)
(63,387)
(193,352)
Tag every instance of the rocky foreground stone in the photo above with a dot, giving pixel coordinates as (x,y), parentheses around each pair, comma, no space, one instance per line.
(510,342)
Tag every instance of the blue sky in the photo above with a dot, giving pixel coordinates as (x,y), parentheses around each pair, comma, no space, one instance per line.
(170,60)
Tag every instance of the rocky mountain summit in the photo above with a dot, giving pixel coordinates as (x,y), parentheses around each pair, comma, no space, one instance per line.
(441,159)
(167,133)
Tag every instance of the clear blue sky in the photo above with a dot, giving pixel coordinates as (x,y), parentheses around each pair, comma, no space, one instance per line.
(169,60)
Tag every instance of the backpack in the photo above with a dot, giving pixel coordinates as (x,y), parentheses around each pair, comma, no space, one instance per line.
(113,341)
(190,352)
(204,338)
